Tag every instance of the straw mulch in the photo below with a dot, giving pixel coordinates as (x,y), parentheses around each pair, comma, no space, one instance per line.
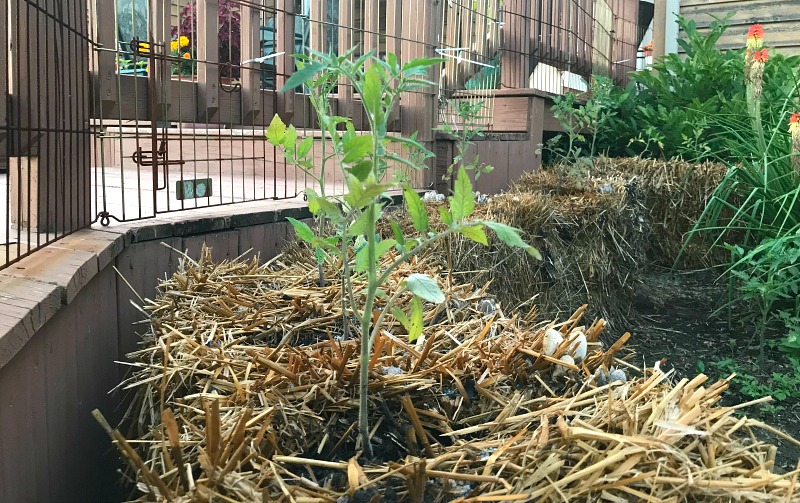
(597,238)
(674,194)
(246,391)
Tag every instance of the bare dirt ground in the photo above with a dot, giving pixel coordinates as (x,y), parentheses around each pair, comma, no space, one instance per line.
(675,313)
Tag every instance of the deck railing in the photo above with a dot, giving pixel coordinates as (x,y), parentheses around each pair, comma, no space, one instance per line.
(123,110)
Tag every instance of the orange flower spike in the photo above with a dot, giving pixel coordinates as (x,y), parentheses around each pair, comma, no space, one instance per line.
(761,56)
(794,125)
(755,37)
(794,129)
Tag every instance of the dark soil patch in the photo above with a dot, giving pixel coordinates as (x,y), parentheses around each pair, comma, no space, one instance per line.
(674,319)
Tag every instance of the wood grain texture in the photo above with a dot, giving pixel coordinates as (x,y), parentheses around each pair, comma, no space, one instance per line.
(781,21)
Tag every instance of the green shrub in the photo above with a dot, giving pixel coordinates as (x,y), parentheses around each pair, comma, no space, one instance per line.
(675,108)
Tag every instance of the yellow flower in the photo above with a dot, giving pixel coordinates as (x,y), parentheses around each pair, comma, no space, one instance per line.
(173,45)
(186,55)
(184,40)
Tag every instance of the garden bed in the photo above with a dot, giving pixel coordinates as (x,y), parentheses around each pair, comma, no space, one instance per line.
(245,391)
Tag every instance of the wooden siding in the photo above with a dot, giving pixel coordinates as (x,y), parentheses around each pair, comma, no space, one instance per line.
(781,21)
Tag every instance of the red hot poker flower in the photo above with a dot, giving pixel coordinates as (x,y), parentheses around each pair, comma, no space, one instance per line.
(795,118)
(755,37)
(761,56)
(756,31)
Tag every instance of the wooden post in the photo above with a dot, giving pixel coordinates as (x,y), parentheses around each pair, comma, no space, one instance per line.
(659,29)
(208,50)
(250,74)
(371,26)
(49,162)
(318,28)
(394,27)
(161,34)
(346,20)
(105,64)
(419,108)
(284,64)
(515,66)
(4,83)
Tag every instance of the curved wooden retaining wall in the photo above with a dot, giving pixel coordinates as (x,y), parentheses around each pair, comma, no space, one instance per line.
(66,316)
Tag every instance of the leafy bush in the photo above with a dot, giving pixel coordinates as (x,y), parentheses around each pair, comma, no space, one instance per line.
(674,109)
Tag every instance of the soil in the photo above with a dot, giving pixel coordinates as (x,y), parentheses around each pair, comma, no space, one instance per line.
(674,318)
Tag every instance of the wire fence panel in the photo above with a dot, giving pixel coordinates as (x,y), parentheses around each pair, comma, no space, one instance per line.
(126,109)
(44,124)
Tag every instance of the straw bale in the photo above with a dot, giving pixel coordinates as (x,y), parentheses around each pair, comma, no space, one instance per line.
(246,391)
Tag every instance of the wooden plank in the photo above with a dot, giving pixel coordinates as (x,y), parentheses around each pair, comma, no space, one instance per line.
(4,79)
(318,16)
(106,71)
(251,74)
(93,319)
(394,27)
(515,67)
(510,114)
(781,21)
(224,245)
(25,471)
(371,25)
(493,153)
(345,92)
(536,129)
(207,50)
(141,264)
(161,30)
(285,63)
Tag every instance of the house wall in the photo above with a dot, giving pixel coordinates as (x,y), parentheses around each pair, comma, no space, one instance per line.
(781,21)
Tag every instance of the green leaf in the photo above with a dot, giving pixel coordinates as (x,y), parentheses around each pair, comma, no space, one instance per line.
(400,316)
(276,131)
(381,247)
(303,74)
(371,89)
(417,321)
(360,224)
(419,66)
(361,170)
(290,139)
(445,215)
(475,233)
(305,146)
(318,204)
(462,202)
(355,148)
(425,287)
(398,233)
(302,229)
(510,236)
(416,208)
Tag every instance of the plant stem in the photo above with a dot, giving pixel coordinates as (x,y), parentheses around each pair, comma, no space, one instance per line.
(366,348)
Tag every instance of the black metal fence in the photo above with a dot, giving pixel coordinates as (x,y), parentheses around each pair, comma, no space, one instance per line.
(45,132)
(122,110)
